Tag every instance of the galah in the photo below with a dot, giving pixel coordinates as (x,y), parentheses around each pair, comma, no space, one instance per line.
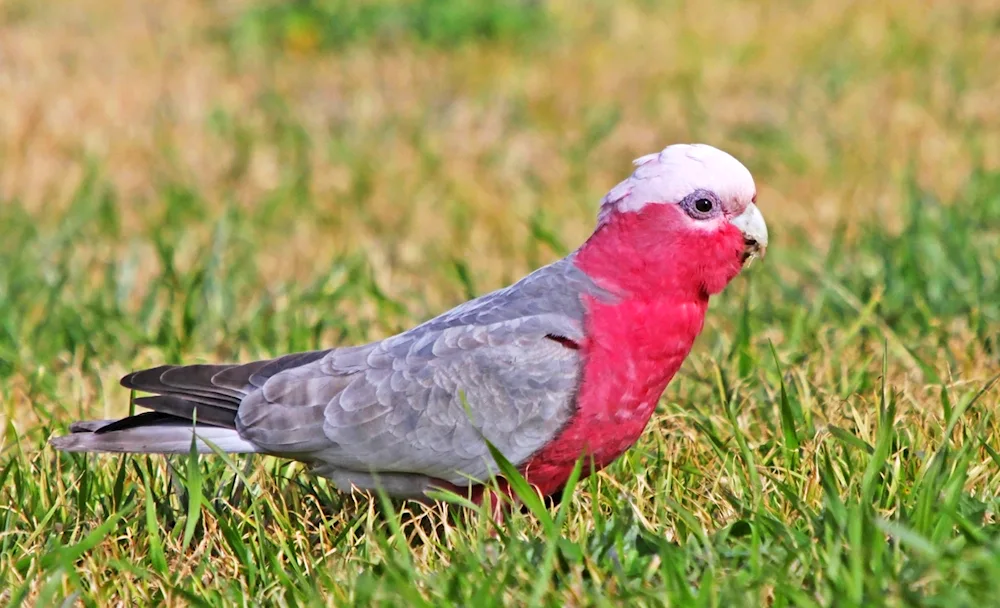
(568,362)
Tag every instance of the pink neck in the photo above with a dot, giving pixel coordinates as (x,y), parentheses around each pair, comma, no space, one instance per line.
(638,256)
(661,303)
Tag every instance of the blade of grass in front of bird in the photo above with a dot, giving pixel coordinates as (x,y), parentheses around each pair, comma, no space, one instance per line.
(258,549)
(451,497)
(193,489)
(156,555)
(397,548)
(515,481)
(884,436)
(119,485)
(522,489)
(729,403)
(791,443)
(553,535)
(239,548)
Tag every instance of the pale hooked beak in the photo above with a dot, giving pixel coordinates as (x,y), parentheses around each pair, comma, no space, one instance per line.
(751,224)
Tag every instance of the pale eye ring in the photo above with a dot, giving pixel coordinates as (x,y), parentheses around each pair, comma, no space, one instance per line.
(701,205)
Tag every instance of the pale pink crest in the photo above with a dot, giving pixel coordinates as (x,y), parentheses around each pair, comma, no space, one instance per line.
(676,172)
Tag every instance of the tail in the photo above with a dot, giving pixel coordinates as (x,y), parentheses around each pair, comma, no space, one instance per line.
(171,437)
(199,401)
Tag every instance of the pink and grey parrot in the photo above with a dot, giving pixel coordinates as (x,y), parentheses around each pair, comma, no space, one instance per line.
(568,362)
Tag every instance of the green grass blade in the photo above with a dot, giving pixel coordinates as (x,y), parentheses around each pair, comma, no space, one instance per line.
(194,491)
(156,556)
(791,437)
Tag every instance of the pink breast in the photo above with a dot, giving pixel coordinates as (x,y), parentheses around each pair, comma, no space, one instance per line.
(632,351)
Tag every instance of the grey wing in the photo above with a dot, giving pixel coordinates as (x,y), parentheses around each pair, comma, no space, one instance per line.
(396,406)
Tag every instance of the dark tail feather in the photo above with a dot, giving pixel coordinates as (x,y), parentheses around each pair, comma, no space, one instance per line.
(218,385)
(209,394)
(190,382)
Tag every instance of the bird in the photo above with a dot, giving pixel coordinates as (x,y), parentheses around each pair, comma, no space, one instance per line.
(565,365)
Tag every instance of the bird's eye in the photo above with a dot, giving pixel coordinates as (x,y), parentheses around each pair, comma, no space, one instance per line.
(701,205)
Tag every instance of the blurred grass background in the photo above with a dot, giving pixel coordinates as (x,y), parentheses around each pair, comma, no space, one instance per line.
(204,180)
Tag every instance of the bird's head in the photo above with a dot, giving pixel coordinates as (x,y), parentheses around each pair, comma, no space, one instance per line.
(685,220)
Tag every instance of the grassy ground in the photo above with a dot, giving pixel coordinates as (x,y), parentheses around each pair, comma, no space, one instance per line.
(197,180)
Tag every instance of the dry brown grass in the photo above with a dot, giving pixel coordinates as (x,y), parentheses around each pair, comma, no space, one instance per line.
(125,82)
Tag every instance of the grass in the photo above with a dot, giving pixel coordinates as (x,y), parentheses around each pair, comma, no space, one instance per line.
(307,26)
(831,441)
